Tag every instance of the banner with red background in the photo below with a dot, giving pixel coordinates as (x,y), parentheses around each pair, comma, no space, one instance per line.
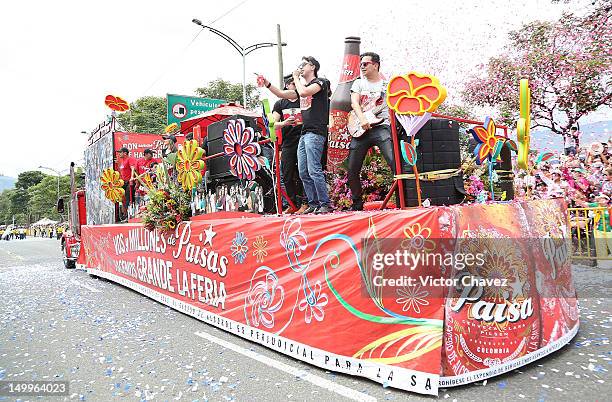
(138,142)
(306,286)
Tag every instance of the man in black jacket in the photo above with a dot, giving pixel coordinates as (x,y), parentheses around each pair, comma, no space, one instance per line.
(287,116)
(314,105)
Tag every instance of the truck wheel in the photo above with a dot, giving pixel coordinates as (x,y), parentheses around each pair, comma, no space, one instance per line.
(69,264)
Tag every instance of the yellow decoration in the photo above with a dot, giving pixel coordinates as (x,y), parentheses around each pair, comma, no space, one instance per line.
(523,125)
(112,184)
(410,343)
(415,93)
(147,181)
(189,164)
(170,128)
(161,173)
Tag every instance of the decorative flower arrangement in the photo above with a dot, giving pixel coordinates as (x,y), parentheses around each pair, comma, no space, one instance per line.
(376,180)
(488,142)
(415,93)
(112,185)
(167,207)
(475,187)
(476,180)
(242,149)
(116,103)
(189,164)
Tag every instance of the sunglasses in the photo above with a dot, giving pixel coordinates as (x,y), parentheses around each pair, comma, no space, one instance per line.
(364,64)
(303,64)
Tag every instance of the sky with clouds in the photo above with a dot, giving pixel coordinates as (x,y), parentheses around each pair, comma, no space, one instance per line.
(60,59)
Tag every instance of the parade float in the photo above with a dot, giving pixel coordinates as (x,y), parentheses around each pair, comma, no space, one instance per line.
(339,291)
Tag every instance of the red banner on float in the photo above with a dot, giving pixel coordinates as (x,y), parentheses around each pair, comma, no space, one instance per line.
(309,287)
(137,143)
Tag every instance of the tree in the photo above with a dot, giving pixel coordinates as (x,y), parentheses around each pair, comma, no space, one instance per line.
(221,89)
(28,179)
(146,115)
(43,197)
(19,198)
(6,216)
(568,65)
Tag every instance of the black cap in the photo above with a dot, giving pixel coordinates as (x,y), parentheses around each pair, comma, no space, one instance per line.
(147,151)
(170,137)
(124,149)
(288,79)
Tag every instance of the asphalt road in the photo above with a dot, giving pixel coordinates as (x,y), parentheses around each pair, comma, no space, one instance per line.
(112,343)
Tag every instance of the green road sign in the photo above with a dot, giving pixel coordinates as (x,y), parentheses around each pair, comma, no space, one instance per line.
(185,107)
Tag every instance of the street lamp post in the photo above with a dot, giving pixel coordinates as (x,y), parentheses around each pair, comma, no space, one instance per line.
(242,50)
(58,178)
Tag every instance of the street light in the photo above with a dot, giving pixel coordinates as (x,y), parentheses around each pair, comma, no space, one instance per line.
(58,178)
(242,50)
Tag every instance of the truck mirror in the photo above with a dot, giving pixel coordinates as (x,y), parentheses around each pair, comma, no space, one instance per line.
(60,206)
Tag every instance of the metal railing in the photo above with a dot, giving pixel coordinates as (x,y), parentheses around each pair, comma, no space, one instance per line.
(591,233)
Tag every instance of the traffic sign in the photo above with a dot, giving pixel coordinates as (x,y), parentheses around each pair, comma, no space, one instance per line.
(185,107)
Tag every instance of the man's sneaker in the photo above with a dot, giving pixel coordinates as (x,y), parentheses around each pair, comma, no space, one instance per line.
(323,210)
(309,210)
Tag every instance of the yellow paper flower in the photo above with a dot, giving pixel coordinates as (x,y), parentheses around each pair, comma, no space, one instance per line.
(189,164)
(112,185)
(170,128)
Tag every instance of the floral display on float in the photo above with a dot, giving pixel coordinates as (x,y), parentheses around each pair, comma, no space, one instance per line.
(112,185)
(242,149)
(167,207)
(189,165)
(376,180)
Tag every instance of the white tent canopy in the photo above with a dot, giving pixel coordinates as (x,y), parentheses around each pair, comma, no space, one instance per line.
(44,222)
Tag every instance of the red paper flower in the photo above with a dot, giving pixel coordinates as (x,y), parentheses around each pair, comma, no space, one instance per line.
(116,103)
(242,149)
(414,93)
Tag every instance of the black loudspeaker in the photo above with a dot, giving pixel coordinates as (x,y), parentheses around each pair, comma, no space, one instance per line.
(219,167)
(505,174)
(438,149)
(220,174)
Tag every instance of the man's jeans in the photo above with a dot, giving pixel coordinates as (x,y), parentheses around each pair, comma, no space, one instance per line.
(379,136)
(310,150)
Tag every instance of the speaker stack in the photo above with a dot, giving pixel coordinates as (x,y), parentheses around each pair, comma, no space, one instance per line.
(219,168)
(438,153)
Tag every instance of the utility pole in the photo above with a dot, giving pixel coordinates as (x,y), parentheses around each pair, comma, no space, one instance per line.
(279,47)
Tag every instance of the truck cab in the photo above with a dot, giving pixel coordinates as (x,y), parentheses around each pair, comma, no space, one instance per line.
(70,241)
